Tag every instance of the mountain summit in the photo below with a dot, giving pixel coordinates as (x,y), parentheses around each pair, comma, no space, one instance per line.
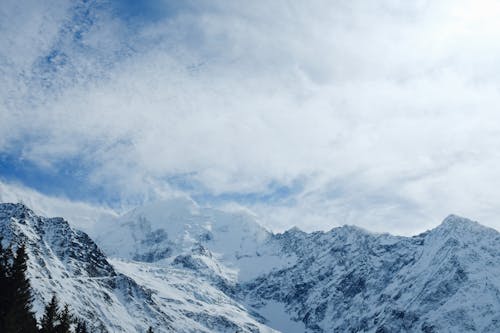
(178,267)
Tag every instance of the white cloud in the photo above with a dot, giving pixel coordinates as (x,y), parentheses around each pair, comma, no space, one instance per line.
(390,105)
(80,215)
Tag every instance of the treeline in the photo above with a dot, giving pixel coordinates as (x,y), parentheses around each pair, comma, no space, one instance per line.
(16,314)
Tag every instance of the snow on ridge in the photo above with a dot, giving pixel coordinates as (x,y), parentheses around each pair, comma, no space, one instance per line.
(227,273)
(68,263)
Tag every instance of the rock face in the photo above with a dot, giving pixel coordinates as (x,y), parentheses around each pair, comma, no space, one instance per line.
(181,268)
(348,280)
(68,263)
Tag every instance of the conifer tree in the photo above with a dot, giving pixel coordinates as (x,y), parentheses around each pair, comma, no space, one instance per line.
(19,316)
(50,317)
(65,320)
(150,330)
(81,327)
(4,285)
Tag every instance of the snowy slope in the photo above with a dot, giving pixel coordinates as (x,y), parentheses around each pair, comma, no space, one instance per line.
(192,300)
(184,268)
(349,280)
(344,280)
(68,263)
(165,229)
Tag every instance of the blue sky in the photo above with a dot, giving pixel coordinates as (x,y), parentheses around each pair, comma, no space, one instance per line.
(313,114)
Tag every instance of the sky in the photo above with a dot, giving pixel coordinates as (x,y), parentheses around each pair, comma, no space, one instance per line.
(311,114)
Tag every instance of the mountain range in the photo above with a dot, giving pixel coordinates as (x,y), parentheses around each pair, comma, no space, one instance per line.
(179,267)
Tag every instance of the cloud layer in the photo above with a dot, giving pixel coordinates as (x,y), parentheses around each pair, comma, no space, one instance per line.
(313,114)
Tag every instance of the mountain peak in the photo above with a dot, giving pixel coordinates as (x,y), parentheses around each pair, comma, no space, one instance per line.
(226,262)
(464,228)
(456,222)
(453,218)
(294,230)
(18,210)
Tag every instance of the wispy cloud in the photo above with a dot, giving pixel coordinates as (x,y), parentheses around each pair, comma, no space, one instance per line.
(385,113)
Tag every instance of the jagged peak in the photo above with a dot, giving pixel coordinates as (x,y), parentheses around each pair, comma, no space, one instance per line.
(294,230)
(455,224)
(19,209)
(23,212)
(453,221)
(351,229)
(10,206)
(453,218)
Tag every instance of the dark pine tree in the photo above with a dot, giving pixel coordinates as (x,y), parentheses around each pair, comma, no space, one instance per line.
(19,316)
(50,317)
(5,289)
(65,320)
(81,327)
(150,330)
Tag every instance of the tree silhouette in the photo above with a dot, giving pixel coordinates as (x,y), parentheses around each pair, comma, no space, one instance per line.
(81,327)
(17,315)
(50,317)
(65,320)
(4,285)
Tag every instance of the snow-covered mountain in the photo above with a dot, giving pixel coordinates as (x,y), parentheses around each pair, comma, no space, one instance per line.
(182,268)
(161,231)
(68,263)
(348,280)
